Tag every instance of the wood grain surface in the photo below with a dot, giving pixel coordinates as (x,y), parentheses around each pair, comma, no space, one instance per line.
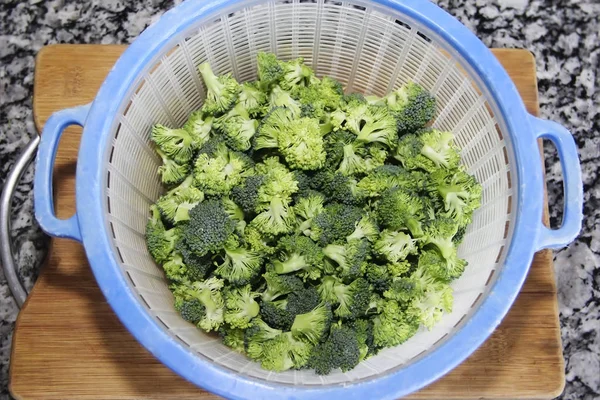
(68,343)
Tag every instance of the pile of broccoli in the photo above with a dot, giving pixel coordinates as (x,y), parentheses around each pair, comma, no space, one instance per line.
(309,228)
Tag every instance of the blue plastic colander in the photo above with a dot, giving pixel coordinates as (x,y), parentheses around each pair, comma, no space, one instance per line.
(371,47)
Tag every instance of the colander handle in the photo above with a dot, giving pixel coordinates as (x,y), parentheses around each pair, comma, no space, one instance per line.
(573,186)
(42,185)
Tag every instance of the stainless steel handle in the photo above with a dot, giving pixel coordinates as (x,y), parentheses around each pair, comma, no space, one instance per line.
(6,254)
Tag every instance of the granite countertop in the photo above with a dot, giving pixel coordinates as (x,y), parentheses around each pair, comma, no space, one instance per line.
(563,35)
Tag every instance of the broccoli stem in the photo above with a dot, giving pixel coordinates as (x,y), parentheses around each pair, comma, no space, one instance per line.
(294,263)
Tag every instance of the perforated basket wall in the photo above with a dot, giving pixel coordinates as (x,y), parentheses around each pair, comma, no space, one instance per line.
(370,49)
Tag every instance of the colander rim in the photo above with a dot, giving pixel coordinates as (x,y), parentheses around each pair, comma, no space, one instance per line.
(224,382)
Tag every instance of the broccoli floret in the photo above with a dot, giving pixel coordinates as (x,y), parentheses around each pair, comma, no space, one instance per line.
(378,276)
(280,182)
(175,269)
(299,140)
(337,187)
(399,268)
(372,124)
(342,350)
(211,146)
(306,209)
(240,307)
(440,268)
(440,233)
(319,97)
(220,173)
(301,254)
(404,290)
(197,267)
(275,314)
(399,210)
(279,98)
(171,172)
(390,176)
(335,223)
(221,91)
(176,204)
(160,241)
(413,107)
(352,300)
(209,314)
(280,285)
(436,300)
(393,326)
(282,353)
(208,229)
(257,242)
(295,73)
(233,338)
(313,326)
(240,265)
(269,70)
(237,127)
(253,99)
(178,144)
(365,228)
(429,150)
(277,218)
(281,313)
(351,258)
(395,246)
(246,194)
(199,128)
(364,334)
(235,213)
(459,191)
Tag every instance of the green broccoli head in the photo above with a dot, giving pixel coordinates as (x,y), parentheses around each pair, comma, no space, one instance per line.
(342,350)
(237,128)
(298,254)
(319,98)
(389,176)
(269,70)
(221,91)
(365,228)
(436,300)
(208,229)
(393,326)
(442,269)
(197,268)
(306,209)
(395,246)
(335,223)
(459,191)
(160,241)
(351,258)
(275,314)
(275,218)
(378,276)
(177,144)
(364,334)
(199,127)
(413,107)
(400,210)
(170,171)
(220,173)
(337,187)
(439,233)
(313,326)
(280,98)
(352,300)
(372,124)
(240,307)
(240,265)
(233,338)
(429,150)
(280,285)
(280,182)
(253,99)
(246,194)
(176,204)
(296,73)
(257,242)
(207,307)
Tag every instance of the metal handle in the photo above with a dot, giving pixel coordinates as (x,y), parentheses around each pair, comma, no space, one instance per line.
(573,185)
(6,253)
(42,184)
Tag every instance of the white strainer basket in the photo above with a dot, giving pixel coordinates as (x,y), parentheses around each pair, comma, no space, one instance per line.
(371,47)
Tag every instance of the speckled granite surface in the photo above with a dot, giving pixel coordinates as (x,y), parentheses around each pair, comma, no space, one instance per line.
(563,35)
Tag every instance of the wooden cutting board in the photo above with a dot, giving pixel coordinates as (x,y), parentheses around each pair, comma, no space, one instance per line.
(68,344)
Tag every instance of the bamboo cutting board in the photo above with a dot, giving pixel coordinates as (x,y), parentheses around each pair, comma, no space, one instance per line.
(68,344)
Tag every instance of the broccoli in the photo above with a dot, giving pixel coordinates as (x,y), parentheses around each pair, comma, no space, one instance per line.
(280,285)
(459,191)
(220,173)
(378,276)
(199,128)
(391,176)
(442,269)
(177,144)
(342,350)
(253,99)
(175,269)
(298,254)
(269,71)
(335,223)
(279,98)
(275,314)
(160,241)
(337,187)
(364,334)
(171,172)
(313,326)
(295,74)
(257,242)
(240,307)
(233,338)
(246,194)
(399,268)
(395,246)
(306,209)
(240,265)
(351,258)
(236,213)
(440,233)
(237,127)
(393,326)
(197,267)
(352,300)
(280,182)
(208,229)
(207,304)
(176,204)
(282,353)
(298,139)
(399,210)
(365,228)
(319,97)
(429,150)
(436,300)
(372,124)
(275,218)
(221,91)
(413,107)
